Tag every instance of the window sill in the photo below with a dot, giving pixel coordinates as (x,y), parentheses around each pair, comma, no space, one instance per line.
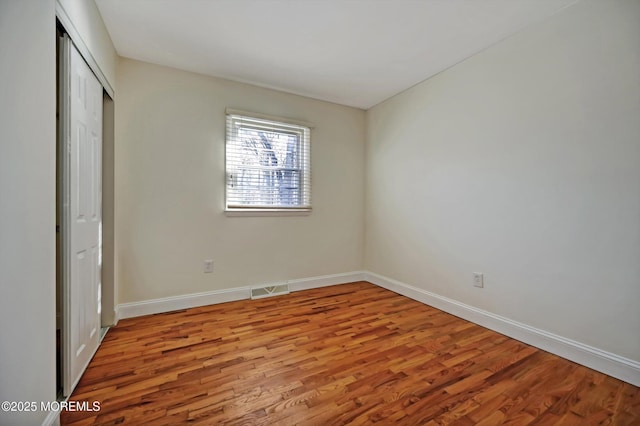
(266,212)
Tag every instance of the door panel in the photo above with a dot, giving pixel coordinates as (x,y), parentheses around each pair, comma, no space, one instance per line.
(82,187)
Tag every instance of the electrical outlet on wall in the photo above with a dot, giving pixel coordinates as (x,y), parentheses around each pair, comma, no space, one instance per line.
(208,266)
(478,279)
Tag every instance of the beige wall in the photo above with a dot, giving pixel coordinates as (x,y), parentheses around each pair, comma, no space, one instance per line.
(522,162)
(27,206)
(170,130)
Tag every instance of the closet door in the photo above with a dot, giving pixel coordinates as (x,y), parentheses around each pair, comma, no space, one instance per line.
(81,122)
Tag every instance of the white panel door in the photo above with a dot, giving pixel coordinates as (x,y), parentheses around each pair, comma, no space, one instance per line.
(82,198)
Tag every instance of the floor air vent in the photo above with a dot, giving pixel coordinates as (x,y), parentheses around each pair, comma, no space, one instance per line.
(270,290)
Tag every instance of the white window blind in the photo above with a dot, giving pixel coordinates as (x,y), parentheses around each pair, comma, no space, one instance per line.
(268,164)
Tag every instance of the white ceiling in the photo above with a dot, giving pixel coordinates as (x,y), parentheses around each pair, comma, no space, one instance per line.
(351,52)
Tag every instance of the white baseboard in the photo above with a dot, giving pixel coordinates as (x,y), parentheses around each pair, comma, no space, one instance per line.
(597,359)
(174,303)
(325,280)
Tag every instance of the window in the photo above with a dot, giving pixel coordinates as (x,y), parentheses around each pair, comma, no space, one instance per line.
(268,164)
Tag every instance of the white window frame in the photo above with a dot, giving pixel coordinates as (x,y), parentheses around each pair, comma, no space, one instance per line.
(236,119)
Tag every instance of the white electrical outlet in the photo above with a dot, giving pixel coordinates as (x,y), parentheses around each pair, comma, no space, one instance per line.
(208,266)
(478,279)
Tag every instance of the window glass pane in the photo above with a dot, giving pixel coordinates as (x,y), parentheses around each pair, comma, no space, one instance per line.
(267,164)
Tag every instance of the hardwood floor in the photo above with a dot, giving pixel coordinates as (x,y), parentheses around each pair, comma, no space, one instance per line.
(349,354)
